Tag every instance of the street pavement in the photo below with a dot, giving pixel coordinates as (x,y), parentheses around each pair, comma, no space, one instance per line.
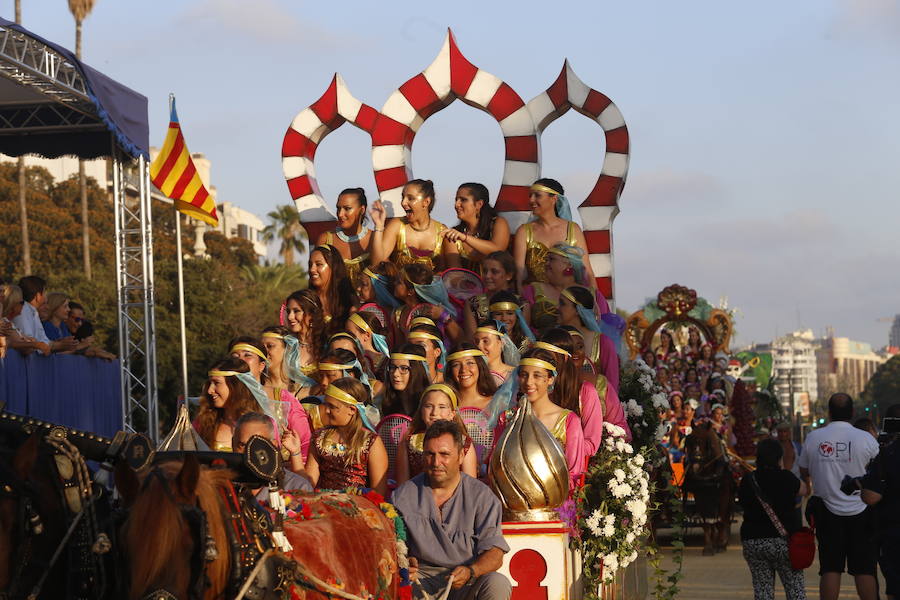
(726,575)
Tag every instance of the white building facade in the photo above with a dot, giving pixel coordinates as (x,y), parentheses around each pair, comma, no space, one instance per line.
(795,370)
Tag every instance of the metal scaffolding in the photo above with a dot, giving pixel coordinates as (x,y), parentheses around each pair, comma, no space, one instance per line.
(134,272)
(46,92)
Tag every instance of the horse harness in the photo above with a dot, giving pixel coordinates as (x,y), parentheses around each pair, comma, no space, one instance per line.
(84,541)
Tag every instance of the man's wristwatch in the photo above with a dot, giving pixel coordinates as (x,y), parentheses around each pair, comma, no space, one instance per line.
(471,573)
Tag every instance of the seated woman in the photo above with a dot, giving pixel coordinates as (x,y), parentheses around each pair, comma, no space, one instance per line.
(490,337)
(225,398)
(576,306)
(423,332)
(282,405)
(439,401)
(551,224)
(57,311)
(537,377)
(406,377)
(12,308)
(365,327)
(468,372)
(505,307)
(347,452)
(415,238)
(328,277)
(416,285)
(666,349)
(498,274)
(351,238)
(691,350)
(306,323)
(480,230)
(564,268)
(334,365)
(277,378)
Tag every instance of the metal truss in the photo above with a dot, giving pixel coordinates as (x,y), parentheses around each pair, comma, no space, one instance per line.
(45,118)
(43,69)
(134,269)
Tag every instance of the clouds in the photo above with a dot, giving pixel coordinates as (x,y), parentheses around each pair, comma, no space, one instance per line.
(867,19)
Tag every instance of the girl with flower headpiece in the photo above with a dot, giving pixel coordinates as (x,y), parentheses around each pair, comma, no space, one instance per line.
(439,401)
(498,274)
(347,452)
(691,350)
(480,230)
(423,332)
(537,378)
(666,349)
(576,308)
(468,372)
(501,352)
(224,400)
(328,277)
(292,422)
(551,223)
(415,238)
(406,377)
(351,238)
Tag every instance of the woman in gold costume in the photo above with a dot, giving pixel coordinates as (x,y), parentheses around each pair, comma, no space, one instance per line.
(351,237)
(415,238)
(551,223)
(480,230)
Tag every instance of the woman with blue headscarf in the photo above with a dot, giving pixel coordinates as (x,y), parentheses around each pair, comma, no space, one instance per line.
(576,308)
(551,223)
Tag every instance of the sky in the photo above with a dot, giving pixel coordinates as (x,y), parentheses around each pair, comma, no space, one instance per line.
(764,156)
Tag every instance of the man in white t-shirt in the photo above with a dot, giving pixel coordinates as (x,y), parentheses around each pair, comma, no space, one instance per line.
(845,527)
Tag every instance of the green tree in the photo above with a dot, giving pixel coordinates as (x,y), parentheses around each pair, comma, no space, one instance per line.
(883,389)
(286,227)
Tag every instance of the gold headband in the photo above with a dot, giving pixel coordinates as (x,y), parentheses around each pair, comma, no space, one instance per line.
(464,354)
(272,334)
(341,334)
(401,356)
(575,332)
(501,306)
(490,330)
(370,273)
(422,321)
(340,395)
(333,367)
(446,389)
(558,252)
(536,362)
(552,348)
(537,187)
(249,348)
(216,373)
(360,322)
(423,335)
(569,296)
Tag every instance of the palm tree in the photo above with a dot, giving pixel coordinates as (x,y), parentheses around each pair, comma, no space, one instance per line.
(286,226)
(80,9)
(274,281)
(23,207)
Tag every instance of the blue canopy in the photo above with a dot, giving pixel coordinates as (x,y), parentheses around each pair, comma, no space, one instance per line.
(59,106)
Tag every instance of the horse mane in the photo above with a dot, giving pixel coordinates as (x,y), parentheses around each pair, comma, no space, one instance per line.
(155,528)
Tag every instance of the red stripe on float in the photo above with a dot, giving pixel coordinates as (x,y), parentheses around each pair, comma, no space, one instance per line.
(388,179)
(504,102)
(299,186)
(521,147)
(598,242)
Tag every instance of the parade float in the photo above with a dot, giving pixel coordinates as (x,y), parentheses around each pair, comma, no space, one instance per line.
(544,563)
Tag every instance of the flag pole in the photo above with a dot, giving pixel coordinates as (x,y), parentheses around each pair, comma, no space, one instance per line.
(180,270)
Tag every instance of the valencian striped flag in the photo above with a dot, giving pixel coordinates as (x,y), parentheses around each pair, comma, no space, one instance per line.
(174,173)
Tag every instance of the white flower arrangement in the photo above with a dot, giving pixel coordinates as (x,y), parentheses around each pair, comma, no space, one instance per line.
(614,507)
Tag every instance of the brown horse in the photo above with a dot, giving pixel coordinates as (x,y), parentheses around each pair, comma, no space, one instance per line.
(708,477)
(342,544)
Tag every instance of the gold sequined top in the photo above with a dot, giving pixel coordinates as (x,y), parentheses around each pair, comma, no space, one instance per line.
(404,255)
(536,252)
(354,266)
(544,311)
(559,430)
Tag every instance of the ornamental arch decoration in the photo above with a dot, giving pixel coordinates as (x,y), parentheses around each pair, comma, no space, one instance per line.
(449,77)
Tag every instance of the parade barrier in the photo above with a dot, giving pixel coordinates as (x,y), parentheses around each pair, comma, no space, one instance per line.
(75,391)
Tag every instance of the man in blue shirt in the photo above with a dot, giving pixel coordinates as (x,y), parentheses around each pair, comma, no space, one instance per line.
(453,524)
(29,322)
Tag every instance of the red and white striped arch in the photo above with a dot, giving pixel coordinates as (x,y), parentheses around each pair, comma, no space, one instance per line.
(298,150)
(452,76)
(449,77)
(602,204)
